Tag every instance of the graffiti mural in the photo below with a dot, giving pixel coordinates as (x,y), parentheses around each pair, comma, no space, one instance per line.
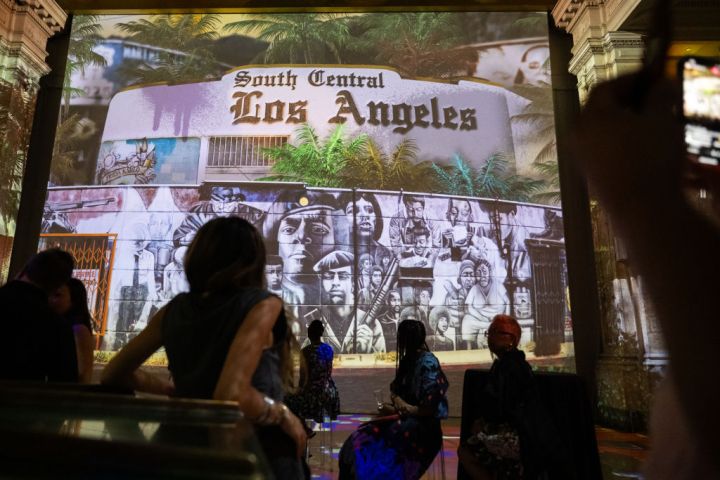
(360,261)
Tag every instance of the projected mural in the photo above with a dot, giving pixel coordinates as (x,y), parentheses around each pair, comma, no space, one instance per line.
(392,176)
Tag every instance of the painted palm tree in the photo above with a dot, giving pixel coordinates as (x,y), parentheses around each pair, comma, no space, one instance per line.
(550,172)
(315,161)
(297,38)
(17,104)
(65,151)
(84,37)
(185,39)
(397,170)
(540,116)
(417,44)
(492,180)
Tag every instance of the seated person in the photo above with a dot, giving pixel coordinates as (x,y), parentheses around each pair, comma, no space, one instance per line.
(404,443)
(70,302)
(513,438)
(36,344)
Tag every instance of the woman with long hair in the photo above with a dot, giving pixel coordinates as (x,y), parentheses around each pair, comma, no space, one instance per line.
(404,442)
(227,339)
(318,396)
(70,301)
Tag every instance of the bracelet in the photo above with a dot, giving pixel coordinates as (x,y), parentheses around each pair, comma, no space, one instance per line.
(263,418)
(274,414)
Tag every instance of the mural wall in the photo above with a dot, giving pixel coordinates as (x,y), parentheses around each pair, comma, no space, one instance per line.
(399,166)
(361,261)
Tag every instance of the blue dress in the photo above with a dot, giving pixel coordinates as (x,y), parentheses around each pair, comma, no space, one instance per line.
(401,447)
(318,395)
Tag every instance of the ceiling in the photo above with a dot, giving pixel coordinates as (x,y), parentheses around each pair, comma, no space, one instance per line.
(692,20)
(151,6)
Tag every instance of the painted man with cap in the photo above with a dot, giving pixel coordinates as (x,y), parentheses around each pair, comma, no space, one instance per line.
(338,311)
(299,227)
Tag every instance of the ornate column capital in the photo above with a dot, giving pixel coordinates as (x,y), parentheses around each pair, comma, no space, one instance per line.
(600,52)
(25,26)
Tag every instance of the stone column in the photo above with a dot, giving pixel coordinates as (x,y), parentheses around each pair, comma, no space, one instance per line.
(25,27)
(632,352)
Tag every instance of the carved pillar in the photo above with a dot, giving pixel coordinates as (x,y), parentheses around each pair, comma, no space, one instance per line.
(631,349)
(25,27)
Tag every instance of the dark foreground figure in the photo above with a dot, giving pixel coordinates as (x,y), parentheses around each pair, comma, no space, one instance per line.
(403,443)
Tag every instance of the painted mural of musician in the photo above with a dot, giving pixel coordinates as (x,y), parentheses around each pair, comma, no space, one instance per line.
(457,230)
(138,289)
(338,312)
(409,221)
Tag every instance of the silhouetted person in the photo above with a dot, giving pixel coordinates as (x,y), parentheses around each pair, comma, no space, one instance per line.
(318,396)
(630,143)
(512,438)
(404,443)
(226,339)
(35,343)
(70,301)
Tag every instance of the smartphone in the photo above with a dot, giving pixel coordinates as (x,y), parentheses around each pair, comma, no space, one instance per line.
(701,109)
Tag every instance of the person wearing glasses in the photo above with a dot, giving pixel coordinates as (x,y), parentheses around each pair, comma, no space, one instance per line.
(338,310)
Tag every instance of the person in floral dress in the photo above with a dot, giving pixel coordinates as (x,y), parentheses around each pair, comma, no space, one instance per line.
(405,440)
(318,396)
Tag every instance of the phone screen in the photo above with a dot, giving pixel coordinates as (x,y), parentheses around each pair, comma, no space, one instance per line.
(701,108)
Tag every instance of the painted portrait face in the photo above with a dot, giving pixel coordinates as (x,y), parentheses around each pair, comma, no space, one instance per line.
(424,297)
(365,264)
(532,68)
(467,278)
(415,211)
(442,324)
(303,239)
(453,214)
(421,244)
(365,217)
(465,209)
(376,278)
(274,275)
(337,286)
(394,302)
(483,275)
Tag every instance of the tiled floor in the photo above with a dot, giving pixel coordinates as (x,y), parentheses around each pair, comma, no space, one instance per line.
(620,453)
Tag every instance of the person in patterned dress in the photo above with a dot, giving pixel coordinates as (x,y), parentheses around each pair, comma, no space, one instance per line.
(403,442)
(318,396)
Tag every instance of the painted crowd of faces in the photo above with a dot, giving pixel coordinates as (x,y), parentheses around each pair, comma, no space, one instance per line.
(360,261)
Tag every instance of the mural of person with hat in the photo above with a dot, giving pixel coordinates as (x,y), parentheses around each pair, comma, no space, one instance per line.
(338,312)
(215,201)
(300,229)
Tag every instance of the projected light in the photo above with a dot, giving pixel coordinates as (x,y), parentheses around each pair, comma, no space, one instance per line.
(429,186)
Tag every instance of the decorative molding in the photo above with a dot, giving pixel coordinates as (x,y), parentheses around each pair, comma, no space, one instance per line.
(48,11)
(25,27)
